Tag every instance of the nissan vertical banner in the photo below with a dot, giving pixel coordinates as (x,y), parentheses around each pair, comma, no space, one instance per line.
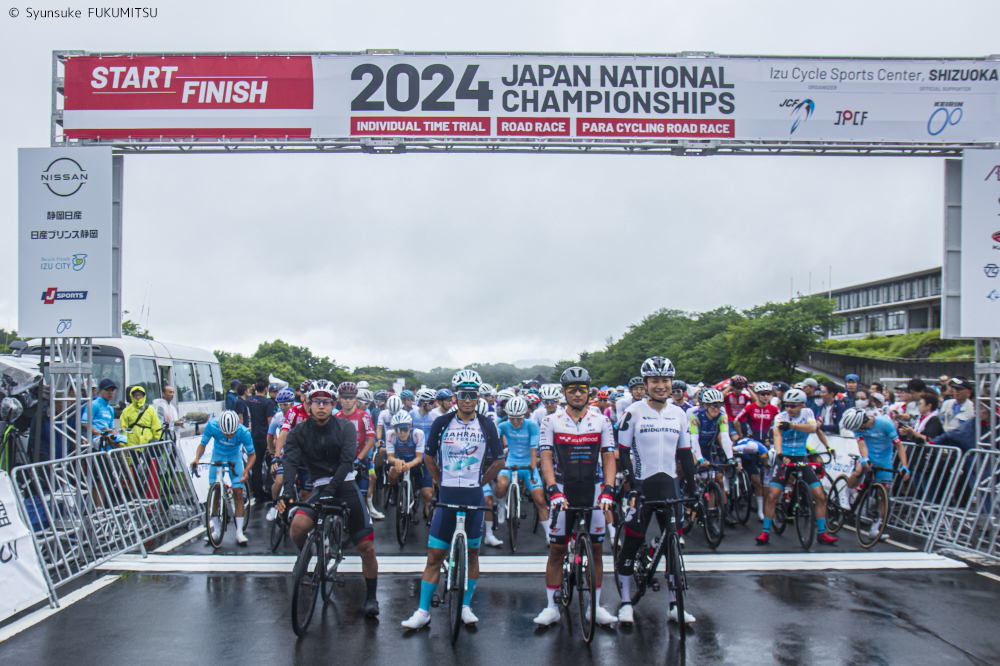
(980,316)
(64,242)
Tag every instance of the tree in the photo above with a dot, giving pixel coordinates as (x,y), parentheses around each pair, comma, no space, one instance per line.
(129,327)
(7,337)
(775,337)
(290,363)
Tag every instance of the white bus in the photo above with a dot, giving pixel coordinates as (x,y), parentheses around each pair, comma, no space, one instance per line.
(194,373)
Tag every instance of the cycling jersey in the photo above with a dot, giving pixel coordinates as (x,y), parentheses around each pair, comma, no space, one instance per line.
(327,450)
(408,450)
(623,404)
(296,415)
(540,414)
(749,448)
(461,449)
(520,442)
(422,422)
(709,433)
(654,438)
(226,448)
(577,447)
(734,402)
(793,442)
(880,439)
(384,420)
(362,425)
(758,419)
(276,422)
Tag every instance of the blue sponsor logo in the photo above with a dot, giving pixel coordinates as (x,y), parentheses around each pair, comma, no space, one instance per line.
(79,261)
(802,112)
(51,295)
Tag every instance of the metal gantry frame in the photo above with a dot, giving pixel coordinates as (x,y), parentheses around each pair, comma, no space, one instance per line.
(70,368)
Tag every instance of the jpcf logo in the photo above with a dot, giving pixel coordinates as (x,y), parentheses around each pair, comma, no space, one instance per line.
(51,295)
(801,112)
(64,177)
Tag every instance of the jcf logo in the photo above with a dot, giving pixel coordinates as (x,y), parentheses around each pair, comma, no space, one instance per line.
(851,117)
(801,112)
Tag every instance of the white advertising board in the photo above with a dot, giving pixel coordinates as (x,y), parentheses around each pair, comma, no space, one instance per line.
(65,263)
(21,577)
(980,306)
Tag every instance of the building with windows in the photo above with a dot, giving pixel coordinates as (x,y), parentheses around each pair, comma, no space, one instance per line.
(901,304)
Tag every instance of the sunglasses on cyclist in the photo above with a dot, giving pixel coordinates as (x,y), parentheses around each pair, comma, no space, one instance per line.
(284,404)
(577,388)
(467,395)
(717,405)
(791,405)
(551,402)
(403,429)
(322,402)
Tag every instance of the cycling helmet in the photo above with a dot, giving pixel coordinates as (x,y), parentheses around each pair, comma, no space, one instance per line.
(365,396)
(482,407)
(229,422)
(533,399)
(738,381)
(794,395)
(362,385)
(679,386)
(574,375)
(517,407)
(407,393)
(321,386)
(347,389)
(602,395)
(486,389)
(533,383)
(425,395)
(11,409)
(760,387)
(635,381)
(381,394)
(394,404)
(551,392)
(505,394)
(852,419)
(444,394)
(402,418)
(657,366)
(711,397)
(466,379)
(305,386)
(285,395)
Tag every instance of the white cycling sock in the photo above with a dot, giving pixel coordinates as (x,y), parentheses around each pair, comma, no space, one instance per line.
(760,504)
(550,593)
(597,595)
(239,524)
(489,527)
(546,524)
(626,582)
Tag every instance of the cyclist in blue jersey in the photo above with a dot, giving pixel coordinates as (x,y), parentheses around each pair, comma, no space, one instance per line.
(404,447)
(421,414)
(709,428)
(791,431)
(753,457)
(462,455)
(520,438)
(877,437)
(229,437)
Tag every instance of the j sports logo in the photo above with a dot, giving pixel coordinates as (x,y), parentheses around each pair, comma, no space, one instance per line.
(51,295)
(64,177)
(802,112)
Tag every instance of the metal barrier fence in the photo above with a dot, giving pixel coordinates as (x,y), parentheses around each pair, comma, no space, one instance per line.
(86,509)
(916,504)
(971,521)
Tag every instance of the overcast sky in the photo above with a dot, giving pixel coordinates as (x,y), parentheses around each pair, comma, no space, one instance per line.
(418,261)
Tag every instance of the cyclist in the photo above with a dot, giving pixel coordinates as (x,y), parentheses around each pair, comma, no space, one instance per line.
(758,416)
(601,403)
(503,397)
(652,439)
(735,397)
(709,428)
(753,454)
(463,454)
(328,447)
(490,395)
(520,439)
(365,400)
(230,436)
(550,403)
(791,431)
(407,396)
(348,393)
(421,414)
(445,399)
(405,450)
(636,392)
(362,385)
(575,443)
(779,393)
(678,393)
(285,399)
(380,396)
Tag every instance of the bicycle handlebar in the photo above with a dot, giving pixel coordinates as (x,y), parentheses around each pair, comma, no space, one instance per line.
(463,507)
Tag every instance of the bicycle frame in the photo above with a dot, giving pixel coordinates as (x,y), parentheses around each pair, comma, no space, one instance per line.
(446,566)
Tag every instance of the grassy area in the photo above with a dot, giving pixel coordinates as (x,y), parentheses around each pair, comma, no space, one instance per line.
(927,345)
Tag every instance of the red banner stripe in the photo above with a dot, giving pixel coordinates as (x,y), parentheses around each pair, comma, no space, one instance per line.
(188,132)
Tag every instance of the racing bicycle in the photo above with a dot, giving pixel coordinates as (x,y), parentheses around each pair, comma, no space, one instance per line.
(578,568)
(407,501)
(220,503)
(868,505)
(316,566)
(709,512)
(455,569)
(515,497)
(796,503)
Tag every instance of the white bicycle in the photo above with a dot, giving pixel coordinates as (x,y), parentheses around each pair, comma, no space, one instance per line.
(455,569)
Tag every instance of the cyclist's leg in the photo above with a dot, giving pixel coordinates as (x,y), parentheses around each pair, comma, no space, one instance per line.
(557,550)
(503,483)
(359,526)
(538,497)
(474,530)
(774,490)
(488,535)
(422,479)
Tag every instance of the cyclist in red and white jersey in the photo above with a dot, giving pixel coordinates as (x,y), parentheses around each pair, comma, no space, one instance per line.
(735,398)
(347,393)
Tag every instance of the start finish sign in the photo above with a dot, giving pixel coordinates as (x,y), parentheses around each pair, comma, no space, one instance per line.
(536,96)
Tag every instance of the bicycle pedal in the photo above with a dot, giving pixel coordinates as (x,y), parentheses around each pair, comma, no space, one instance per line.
(655,586)
(435,600)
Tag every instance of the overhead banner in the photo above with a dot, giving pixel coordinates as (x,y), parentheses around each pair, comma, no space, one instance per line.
(980,305)
(531,96)
(65,262)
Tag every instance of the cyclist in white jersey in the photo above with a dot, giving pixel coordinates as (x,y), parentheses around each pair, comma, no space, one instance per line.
(422,414)
(550,403)
(445,401)
(653,438)
(636,391)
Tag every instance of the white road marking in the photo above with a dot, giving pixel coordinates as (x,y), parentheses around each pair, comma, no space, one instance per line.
(889,541)
(31,620)
(989,575)
(535,564)
(184,538)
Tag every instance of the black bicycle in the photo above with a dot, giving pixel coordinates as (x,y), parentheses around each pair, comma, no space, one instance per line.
(739,500)
(579,572)
(517,495)
(710,511)
(868,506)
(647,560)
(796,504)
(316,566)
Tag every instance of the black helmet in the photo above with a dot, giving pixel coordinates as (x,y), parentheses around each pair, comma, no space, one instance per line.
(635,381)
(680,386)
(574,375)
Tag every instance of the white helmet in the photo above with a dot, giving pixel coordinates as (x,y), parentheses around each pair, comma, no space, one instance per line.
(365,396)
(466,379)
(551,391)
(657,366)
(426,395)
(486,389)
(794,395)
(710,396)
(517,407)
(760,387)
(852,419)
(402,418)
(323,386)
(394,404)
(229,423)
(506,394)
(362,385)
(482,407)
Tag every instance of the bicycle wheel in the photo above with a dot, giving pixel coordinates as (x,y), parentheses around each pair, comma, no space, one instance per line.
(403,496)
(805,514)
(835,511)
(215,500)
(566,586)
(677,579)
(616,549)
(306,586)
(780,516)
(456,587)
(333,554)
(513,517)
(537,520)
(246,505)
(713,522)
(277,532)
(872,510)
(586,583)
(744,497)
